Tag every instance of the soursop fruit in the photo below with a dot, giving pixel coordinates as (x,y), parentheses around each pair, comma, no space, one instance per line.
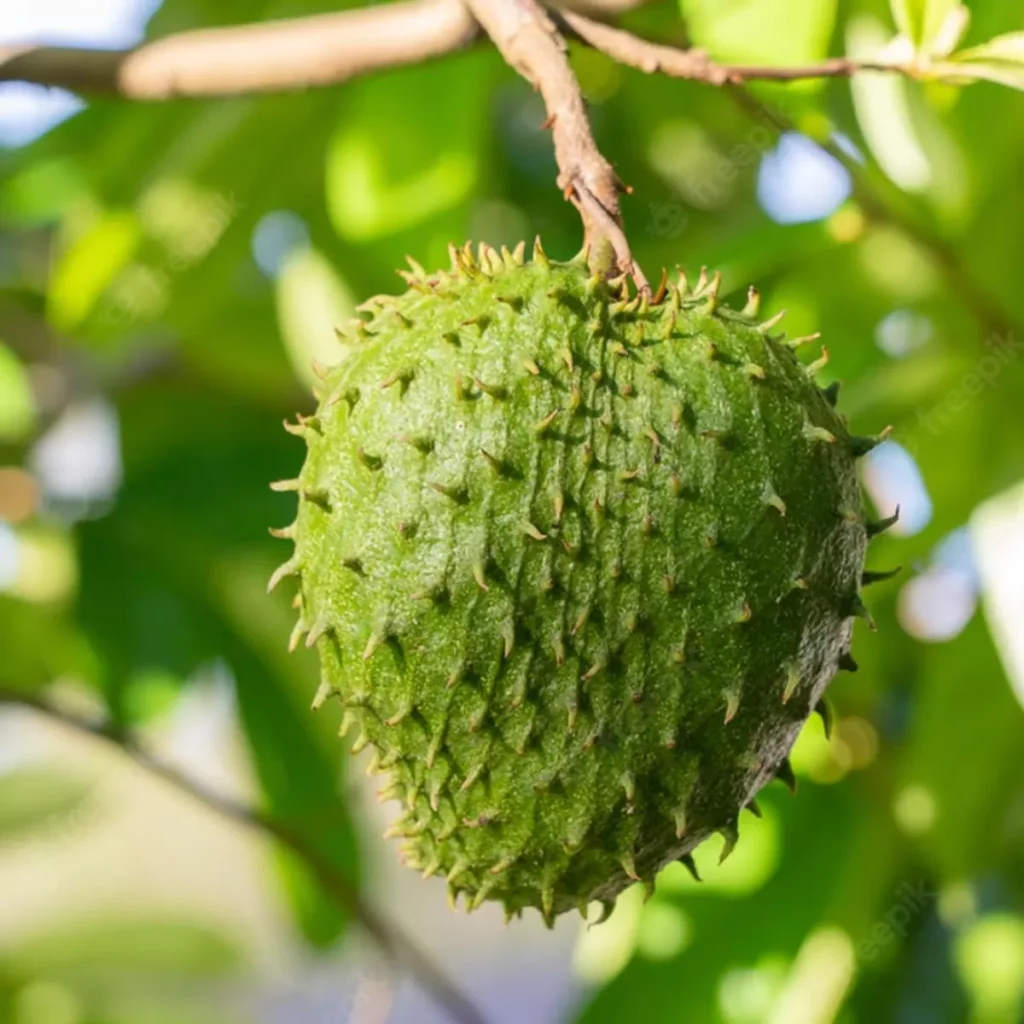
(578,566)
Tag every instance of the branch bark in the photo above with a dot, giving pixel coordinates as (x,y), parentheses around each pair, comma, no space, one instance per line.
(695,65)
(326,49)
(270,56)
(393,943)
(323,50)
(530,42)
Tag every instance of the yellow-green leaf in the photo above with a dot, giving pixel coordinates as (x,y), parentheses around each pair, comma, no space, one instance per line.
(17,405)
(312,302)
(761,31)
(999,60)
(923,22)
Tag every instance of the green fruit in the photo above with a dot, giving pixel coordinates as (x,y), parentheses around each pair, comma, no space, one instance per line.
(578,566)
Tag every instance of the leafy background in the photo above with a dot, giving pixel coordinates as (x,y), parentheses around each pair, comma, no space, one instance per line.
(167,275)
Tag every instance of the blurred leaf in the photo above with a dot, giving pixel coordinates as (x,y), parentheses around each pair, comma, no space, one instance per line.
(924,21)
(40,643)
(884,112)
(990,959)
(17,405)
(999,60)
(47,569)
(34,800)
(186,557)
(728,935)
(381,181)
(86,951)
(299,770)
(1008,47)
(89,264)
(313,301)
(965,751)
(40,192)
(104,1001)
(364,205)
(762,31)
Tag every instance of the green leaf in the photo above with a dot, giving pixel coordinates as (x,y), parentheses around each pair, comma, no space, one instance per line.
(381,182)
(733,934)
(761,31)
(1000,60)
(926,22)
(41,192)
(89,264)
(175,577)
(149,947)
(965,751)
(1009,47)
(38,800)
(17,406)
(298,767)
(41,642)
(312,301)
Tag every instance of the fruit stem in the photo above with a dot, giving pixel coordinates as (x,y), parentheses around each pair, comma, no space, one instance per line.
(531,43)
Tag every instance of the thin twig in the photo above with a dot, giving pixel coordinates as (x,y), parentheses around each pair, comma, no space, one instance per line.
(834,67)
(392,942)
(322,50)
(530,42)
(598,8)
(695,65)
(270,56)
(651,58)
(626,48)
(325,49)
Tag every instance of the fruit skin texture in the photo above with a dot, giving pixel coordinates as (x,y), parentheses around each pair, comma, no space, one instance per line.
(579,567)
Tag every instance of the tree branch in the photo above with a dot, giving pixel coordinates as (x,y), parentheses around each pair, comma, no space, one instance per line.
(269,56)
(530,42)
(330,48)
(651,58)
(393,943)
(695,65)
(322,50)
(598,8)
(326,49)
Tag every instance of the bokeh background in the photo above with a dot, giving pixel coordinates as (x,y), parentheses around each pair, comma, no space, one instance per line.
(167,275)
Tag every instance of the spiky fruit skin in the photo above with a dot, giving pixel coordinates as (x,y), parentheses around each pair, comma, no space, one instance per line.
(578,569)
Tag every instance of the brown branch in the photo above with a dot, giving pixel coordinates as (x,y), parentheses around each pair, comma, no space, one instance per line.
(330,48)
(269,56)
(695,65)
(834,67)
(651,58)
(530,42)
(325,49)
(598,8)
(272,56)
(393,943)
